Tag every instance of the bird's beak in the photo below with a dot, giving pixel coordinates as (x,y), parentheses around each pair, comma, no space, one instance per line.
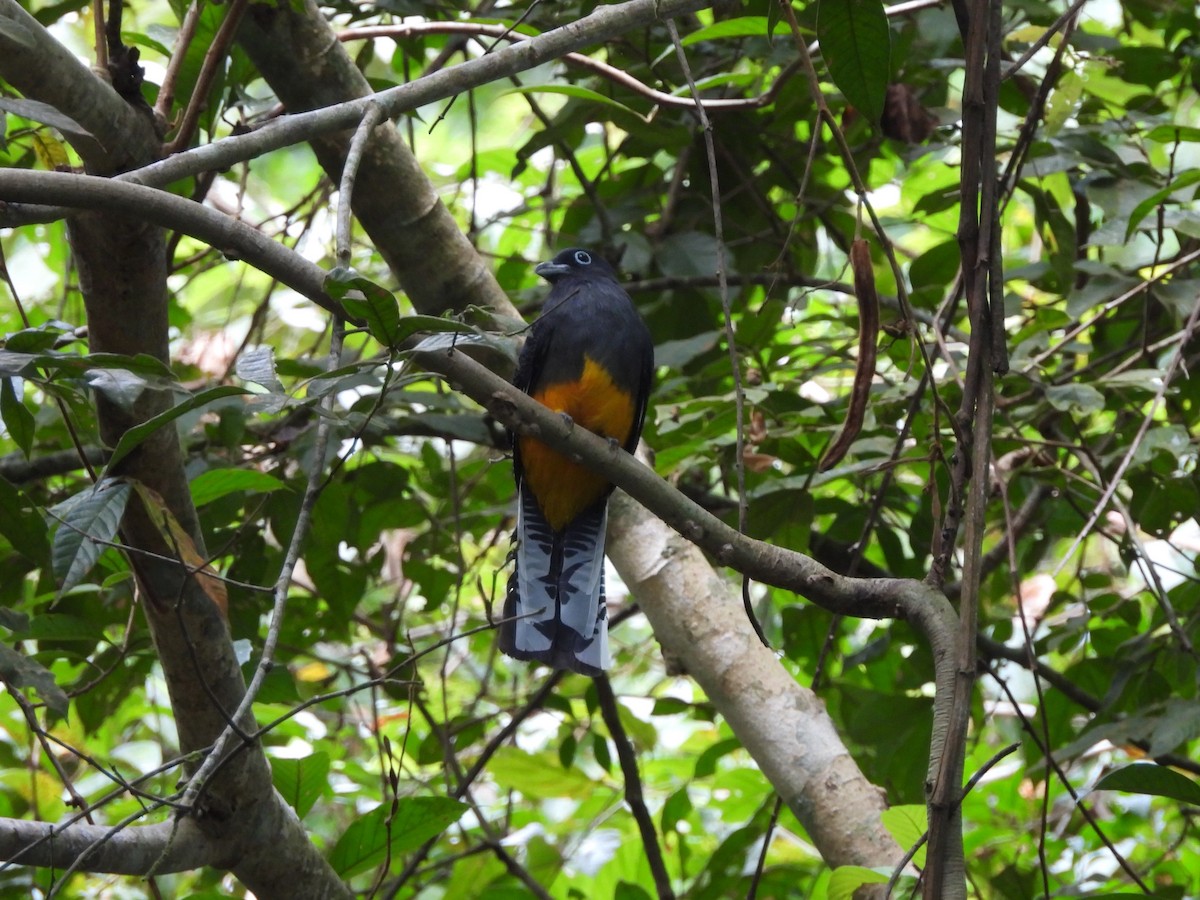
(550,270)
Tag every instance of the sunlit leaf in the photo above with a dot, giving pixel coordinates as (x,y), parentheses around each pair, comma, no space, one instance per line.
(371,838)
(907,824)
(301,781)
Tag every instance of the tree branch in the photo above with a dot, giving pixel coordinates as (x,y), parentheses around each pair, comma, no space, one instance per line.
(131,851)
(604,23)
(872,598)
(633,786)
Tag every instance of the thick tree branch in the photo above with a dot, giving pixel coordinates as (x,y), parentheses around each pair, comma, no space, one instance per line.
(698,618)
(235,239)
(605,23)
(115,136)
(131,851)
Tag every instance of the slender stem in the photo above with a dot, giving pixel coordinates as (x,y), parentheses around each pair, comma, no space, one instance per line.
(633,786)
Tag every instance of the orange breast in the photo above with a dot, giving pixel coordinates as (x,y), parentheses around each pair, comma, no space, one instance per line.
(563,488)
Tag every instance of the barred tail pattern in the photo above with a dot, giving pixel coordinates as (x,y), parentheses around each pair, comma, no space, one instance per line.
(557,588)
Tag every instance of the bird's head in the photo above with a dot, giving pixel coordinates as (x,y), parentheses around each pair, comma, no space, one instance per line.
(575,261)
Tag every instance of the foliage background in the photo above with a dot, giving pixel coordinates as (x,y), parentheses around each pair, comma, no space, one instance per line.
(1091,538)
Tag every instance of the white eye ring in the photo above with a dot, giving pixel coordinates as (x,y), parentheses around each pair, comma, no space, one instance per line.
(583,258)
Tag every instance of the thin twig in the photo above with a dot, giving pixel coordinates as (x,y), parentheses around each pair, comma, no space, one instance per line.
(760,866)
(1052,762)
(213,59)
(611,73)
(354,155)
(739,394)
(633,786)
(282,584)
(924,838)
(183,40)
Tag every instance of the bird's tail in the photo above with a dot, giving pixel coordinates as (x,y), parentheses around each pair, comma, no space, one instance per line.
(557,588)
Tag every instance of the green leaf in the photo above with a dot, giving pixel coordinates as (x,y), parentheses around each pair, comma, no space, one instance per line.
(119,386)
(845,880)
(217,483)
(301,781)
(60,627)
(134,436)
(20,671)
(36,340)
(538,775)
(1081,397)
(46,114)
(907,824)
(22,526)
(706,762)
(17,418)
(92,516)
(1171,134)
(1143,209)
(365,300)
(677,808)
(1148,778)
(370,838)
(741,27)
(856,43)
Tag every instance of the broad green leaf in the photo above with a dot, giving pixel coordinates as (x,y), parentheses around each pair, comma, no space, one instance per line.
(217,483)
(22,526)
(60,627)
(856,43)
(36,340)
(538,775)
(741,27)
(706,762)
(18,420)
(365,300)
(20,671)
(1170,134)
(845,880)
(88,518)
(301,781)
(1147,206)
(370,838)
(134,436)
(1081,397)
(677,808)
(1149,778)
(907,824)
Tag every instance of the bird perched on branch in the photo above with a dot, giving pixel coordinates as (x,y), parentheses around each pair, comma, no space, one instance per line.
(589,356)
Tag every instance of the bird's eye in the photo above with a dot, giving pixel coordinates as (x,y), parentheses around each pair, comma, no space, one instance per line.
(584,259)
